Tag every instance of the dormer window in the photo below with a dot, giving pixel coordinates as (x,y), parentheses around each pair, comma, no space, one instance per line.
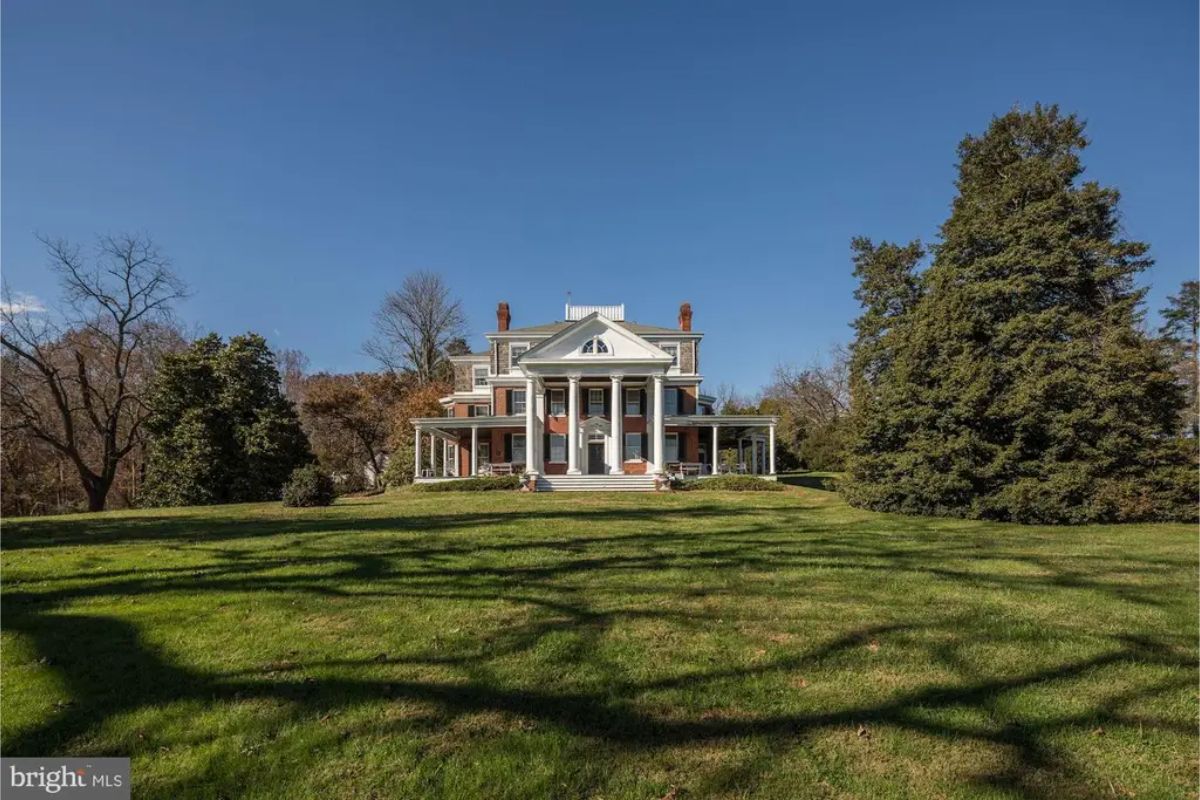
(594,346)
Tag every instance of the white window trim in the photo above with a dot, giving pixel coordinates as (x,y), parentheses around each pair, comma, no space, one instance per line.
(674,369)
(552,459)
(637,393)
(596,340)
(625,448)
(475,370)
(524,459)
(589,401)
(524,400)
(666,438)
(551,393)
(671,391)
(511,360)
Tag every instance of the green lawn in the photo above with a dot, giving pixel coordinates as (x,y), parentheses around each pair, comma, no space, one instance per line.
(624,646)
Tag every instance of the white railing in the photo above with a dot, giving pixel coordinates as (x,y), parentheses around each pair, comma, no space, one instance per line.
(577,312)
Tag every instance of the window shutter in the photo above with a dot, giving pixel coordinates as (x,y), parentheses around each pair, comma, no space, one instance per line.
(607,402)
(545,446)
(646,447)
(642,403)
(507,447)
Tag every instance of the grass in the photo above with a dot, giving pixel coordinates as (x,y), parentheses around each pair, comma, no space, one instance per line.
(604,646)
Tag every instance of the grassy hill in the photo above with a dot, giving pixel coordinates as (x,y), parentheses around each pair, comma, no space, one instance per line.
(620,646)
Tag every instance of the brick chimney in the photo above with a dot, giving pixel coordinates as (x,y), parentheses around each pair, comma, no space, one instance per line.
(685,317)
(503,318)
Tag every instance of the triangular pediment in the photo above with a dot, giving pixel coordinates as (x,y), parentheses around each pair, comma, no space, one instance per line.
(595,340)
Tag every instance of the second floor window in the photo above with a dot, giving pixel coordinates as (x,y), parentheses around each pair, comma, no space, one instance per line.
(481,377)
(594,346)
(518,401)
(633,402)
(673,351)
(558,403)
(670,402)
(595,402)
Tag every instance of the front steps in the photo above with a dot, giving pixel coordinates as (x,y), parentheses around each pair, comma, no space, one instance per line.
(595,483)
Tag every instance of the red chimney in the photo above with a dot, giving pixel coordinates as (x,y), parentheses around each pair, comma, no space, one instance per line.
(503,318)
(685,317)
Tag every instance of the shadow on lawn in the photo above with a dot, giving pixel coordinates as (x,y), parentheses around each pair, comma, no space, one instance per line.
(108,669)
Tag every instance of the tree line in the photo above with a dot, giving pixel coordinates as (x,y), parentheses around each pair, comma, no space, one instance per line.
(1003,372)
(107,402)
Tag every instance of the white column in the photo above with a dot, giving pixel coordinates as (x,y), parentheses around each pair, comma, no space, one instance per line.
(771,449)
(617,407)
(474,451)
(659,433)
(417,454)
(530,427)
(714,450)
(573,425)
(432,455)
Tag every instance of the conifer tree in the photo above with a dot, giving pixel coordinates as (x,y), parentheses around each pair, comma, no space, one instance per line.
(221,429)
(1020,385)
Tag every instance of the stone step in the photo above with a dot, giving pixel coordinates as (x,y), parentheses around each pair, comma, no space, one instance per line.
(595,483)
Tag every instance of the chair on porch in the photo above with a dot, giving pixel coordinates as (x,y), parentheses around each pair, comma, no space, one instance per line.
(501,469)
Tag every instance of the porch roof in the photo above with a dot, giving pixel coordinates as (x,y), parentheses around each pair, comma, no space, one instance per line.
(511,421)
(708,420)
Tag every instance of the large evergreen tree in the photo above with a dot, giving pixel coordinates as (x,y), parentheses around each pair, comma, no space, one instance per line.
(221,430)
(1180,333)
(1019,386)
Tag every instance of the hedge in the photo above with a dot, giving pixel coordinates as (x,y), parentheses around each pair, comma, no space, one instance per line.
(492,483)
(731,483)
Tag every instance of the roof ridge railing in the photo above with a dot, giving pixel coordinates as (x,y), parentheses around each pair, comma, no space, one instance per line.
(576,312)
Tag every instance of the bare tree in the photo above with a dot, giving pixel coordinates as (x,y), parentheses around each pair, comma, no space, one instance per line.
(77,382)
(818,394)
(292,366)
(415,326)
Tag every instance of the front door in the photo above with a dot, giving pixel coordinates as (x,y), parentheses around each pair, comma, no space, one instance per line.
(595,455)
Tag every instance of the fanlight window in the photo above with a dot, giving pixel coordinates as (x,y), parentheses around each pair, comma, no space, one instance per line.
(595,346)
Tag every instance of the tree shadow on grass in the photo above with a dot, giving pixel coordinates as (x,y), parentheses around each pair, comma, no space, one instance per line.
(108,669)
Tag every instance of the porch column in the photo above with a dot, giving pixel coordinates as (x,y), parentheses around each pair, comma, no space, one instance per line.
(432,456)
(531,466)
(741,451)
(659,435)
(715,451)
(771,449)
(617,406)
(474,451)
(417,454)
(573,425)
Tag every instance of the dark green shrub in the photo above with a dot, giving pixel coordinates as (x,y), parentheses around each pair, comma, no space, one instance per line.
(308,486)
(491,483)
(731,483)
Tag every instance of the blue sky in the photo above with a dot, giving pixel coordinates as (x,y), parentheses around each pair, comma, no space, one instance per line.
(296,160)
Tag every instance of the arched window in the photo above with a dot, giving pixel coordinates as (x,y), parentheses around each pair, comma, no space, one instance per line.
(595,346)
